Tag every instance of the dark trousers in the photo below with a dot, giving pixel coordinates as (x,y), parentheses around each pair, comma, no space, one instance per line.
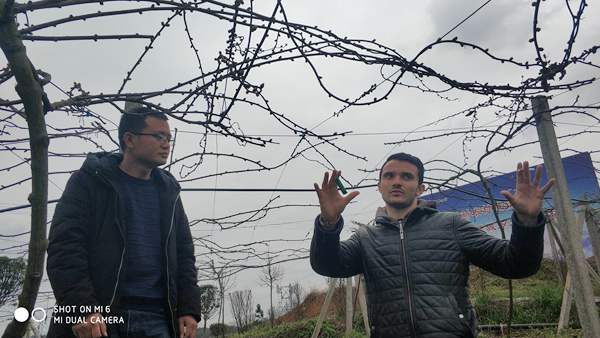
(141,322)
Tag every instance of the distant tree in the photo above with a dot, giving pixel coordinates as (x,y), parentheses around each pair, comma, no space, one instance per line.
(225,282)
(296,293)
(241,308)
(12,274)
(259,315)
(290,295)
(209,301)
(270,275)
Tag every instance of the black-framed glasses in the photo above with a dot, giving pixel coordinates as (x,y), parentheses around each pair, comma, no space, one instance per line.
(157,136)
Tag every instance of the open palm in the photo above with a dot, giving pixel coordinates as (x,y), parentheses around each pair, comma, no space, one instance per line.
(529,196)
(332,202)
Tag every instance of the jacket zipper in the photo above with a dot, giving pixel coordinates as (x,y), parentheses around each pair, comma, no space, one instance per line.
(112,299)
(173,314)
(118,276)
(413,332)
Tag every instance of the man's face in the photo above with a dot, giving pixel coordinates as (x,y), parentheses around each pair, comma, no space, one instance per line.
(399,184)
(151,146)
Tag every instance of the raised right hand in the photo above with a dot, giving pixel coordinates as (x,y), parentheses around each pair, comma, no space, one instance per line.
(94,327)
(332,202)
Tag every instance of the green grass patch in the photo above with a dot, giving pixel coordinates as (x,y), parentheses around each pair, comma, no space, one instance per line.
(299,329)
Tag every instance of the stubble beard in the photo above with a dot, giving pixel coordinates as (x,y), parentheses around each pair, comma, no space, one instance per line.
(401,205)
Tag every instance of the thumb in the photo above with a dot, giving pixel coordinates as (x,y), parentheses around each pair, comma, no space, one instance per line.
(510,197)
(351,196)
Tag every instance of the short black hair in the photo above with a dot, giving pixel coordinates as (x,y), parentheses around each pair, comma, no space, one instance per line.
(134,121)
(408,158)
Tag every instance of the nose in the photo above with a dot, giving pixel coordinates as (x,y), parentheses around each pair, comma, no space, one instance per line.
(397,181)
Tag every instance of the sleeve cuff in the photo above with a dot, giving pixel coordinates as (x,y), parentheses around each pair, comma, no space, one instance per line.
(541,221)
(329,228)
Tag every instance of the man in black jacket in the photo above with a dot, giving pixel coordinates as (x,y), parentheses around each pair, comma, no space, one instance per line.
(415,260)
(120,256)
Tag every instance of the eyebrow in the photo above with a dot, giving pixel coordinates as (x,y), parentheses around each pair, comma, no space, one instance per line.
(401,173)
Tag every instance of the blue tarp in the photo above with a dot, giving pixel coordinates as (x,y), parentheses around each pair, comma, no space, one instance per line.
(472,202)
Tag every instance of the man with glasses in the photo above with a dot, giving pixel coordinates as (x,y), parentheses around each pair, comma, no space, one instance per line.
(120,250)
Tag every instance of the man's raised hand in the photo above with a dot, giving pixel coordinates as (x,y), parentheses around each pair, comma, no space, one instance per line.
(529,196)
(332,202)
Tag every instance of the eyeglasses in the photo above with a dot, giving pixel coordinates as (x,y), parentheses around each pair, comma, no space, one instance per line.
(159,137)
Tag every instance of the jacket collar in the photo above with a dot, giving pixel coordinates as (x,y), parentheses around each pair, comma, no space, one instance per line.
(381,216)
(105,165)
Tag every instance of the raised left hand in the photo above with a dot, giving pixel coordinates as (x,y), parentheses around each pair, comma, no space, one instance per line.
(187,327)
(529,197)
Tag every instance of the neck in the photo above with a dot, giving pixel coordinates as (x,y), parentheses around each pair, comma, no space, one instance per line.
(399,214)
(134,168)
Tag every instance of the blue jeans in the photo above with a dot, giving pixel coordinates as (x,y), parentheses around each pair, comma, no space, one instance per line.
(141,324)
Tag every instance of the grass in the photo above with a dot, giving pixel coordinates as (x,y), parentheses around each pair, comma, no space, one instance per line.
(298,329)
(535,333)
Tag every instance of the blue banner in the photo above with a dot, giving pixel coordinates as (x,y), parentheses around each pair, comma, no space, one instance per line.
(472,202)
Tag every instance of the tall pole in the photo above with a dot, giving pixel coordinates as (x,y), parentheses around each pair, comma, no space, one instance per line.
(583,293)
(362,302)
(324,308)
(349,309)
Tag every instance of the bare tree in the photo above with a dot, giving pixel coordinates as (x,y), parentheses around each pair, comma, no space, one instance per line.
(242,306)
(296,292)
(290,295)
(270,275)
(225,282)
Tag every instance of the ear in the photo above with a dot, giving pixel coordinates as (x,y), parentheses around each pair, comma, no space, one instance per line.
(420,189)
(128,140)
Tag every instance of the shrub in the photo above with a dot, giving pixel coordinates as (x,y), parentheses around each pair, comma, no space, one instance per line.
(218,329)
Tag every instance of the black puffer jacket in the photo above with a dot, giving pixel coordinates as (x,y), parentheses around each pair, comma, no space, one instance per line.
(417,286)
(86,244)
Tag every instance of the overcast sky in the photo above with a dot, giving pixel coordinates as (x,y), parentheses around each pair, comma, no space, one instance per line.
(503,26)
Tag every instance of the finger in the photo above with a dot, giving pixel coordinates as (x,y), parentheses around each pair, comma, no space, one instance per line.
(519,172)
(181,328)
(526,175)
(509,197)
(538,176)
(85,331)
(95,331)
(334,176)
(317,190)
(75,329)
(103,329)
(192,331)
(325,180)
(548,185)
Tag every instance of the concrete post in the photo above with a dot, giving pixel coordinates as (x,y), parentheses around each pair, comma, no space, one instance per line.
(583,293)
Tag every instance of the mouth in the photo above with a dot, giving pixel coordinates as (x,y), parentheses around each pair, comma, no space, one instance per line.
(397,192)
